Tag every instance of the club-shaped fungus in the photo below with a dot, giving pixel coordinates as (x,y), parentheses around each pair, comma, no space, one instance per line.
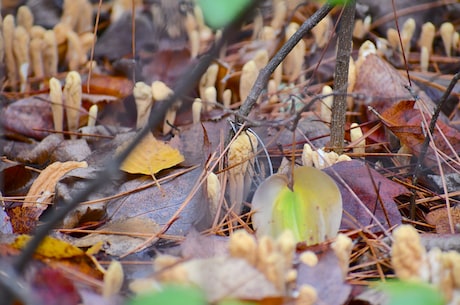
(214,191)
(36,57)
(241,154)
(322,30)
(72,97)
(8,38)
(21,53)
(407,254)
(92,116)
(342,247)
(447,31)
(407,33)
(424,59)
(243,245)
(258,24)
(50,53)
(210,95)
(143,98)
(197,106)
(227,98)
(56,104)
(248,77)
(307,295)
(293,62)
(25,18)
(356,136)
(427,37)
(326,105)
(279,14)
(208,79)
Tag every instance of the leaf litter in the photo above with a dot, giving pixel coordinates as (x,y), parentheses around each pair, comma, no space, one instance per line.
(133,208)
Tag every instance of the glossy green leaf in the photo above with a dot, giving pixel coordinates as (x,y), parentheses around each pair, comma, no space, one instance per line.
(171,295)
(219,13)
(405,292)
(312,210)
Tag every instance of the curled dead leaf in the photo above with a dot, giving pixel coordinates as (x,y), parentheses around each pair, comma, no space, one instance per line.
(42,189)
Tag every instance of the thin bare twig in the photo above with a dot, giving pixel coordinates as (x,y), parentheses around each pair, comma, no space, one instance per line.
(426,142)
(265,72)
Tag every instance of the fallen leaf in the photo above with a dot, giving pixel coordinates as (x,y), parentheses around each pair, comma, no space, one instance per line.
(166,65)
(150,156)
(224,277)
(440,219)
(51,287)
(326,277)
(114,86)
(77,181)
(50,247)
(124,238)
(407,124)
(28,116)
(360,178)
(197,245)
(24,218)
(19,177)
(312,210)
(160,204)
(42,190)
(386,87)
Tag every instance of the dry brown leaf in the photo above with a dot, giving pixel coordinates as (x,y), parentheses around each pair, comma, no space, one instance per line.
(440,219)
(150,156)
(42,190)
(407,123)
(117,244)
(41,193)
(223,277)
(385,87)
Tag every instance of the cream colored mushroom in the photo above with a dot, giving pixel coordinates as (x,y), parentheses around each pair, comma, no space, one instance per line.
(144,101)
(241,154)
(72,95)
(56,103)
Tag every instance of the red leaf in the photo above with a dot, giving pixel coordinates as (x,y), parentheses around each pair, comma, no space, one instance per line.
(364,180)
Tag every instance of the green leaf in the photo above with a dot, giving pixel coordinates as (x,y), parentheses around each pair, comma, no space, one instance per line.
(235,302)
(312,210)
(338,2)
(171,295)
(406,292)
(219,13)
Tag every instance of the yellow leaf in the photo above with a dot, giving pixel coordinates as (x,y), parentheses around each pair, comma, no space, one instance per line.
(50,247)
(150,156)
(312,210)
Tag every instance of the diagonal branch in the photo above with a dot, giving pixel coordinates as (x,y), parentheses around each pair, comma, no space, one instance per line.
(264,75)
